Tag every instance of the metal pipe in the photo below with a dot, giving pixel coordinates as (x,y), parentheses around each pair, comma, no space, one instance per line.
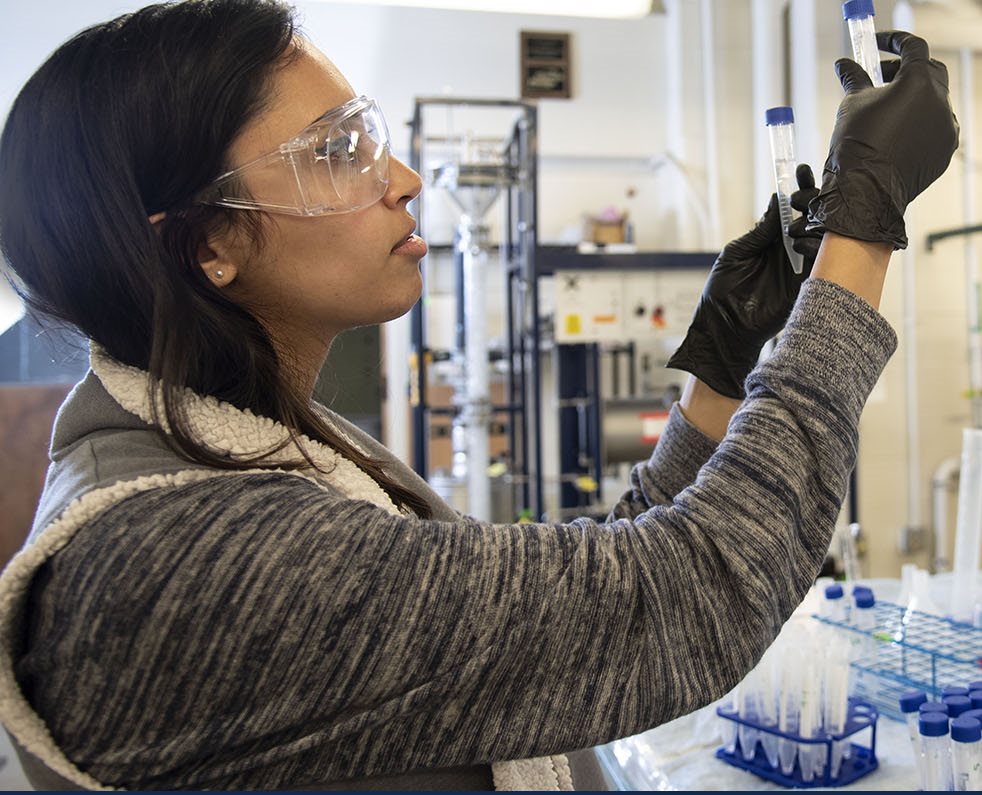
(767,90)
(712,239)
(804,80)
(967,138)
(475,416)
(903,19)
(945,477)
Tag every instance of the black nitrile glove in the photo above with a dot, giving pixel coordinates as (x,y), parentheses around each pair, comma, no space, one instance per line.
(888,145)
(748,297)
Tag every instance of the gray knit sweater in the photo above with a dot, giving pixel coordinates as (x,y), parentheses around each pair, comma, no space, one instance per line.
(171,626)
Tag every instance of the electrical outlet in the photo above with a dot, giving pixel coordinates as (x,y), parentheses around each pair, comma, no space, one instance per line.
(911,540)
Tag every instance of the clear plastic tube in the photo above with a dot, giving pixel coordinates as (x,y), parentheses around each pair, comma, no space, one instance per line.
(789,708)
(780,129)
(859,17)
(966,754)
(968,535)
(935,760)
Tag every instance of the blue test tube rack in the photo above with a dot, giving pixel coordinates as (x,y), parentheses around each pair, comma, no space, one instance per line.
(912,651)
(860,716)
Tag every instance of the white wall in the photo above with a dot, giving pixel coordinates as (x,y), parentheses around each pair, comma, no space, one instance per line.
(601,144)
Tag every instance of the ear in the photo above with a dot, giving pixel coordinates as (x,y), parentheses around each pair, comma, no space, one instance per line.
(217,263)
(213,257)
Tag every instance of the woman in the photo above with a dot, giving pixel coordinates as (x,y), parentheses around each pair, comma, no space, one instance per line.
(227,586)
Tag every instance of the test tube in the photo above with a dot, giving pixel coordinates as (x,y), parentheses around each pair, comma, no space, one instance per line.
(934,761)
(910,704)
(858,15)
(780,128)
(789,708)
(966,754)
(834,606)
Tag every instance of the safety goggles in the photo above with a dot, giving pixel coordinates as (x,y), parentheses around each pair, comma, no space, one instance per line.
(338,164)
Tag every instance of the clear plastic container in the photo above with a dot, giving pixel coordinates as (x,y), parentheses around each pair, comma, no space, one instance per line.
(780,129)
(910,704)
(858,15)
(968,532)
(966,754)
(934,762)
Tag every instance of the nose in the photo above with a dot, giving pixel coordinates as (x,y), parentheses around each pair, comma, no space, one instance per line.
(404,183)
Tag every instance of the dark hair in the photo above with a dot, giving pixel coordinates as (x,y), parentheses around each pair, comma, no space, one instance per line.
(126,119)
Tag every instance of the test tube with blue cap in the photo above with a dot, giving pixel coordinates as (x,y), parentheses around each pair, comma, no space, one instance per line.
(966,754)
(910,704)
(934,762)
(858,15)
(780,128)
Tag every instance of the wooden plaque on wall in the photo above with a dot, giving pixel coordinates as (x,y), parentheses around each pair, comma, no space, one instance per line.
(545,65)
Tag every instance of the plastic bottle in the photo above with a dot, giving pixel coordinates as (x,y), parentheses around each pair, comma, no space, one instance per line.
(834,604)
(957,705)
(864,646)
(858,15)
(910,704)
(780,128)
(966,754)
(934,761)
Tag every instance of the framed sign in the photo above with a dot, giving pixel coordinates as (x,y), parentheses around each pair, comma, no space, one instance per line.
(545,65)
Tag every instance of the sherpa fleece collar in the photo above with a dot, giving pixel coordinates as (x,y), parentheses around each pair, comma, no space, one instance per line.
(241,433)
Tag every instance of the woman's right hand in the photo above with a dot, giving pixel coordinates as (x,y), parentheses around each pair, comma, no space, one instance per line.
(888,145)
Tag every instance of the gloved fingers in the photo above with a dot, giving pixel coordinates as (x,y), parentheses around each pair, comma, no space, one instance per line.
(852,76)
(803,174)
(909,47)
(764,233)
(806,188)
(889,69)
(799,228)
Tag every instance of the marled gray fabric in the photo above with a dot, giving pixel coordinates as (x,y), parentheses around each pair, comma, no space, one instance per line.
(262,632)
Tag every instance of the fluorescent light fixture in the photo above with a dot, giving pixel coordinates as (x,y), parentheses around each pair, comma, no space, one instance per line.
(617,9)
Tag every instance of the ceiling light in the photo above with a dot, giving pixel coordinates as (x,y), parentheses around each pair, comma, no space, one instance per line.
(618,9)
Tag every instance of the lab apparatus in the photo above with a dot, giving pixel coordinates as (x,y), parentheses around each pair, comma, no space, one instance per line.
(858,15)
(966,754)
(934,762)
(780,129)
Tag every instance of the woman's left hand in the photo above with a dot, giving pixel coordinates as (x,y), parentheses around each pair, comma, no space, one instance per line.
(749,294)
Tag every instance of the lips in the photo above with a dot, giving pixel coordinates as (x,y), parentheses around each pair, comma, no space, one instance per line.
(411,246)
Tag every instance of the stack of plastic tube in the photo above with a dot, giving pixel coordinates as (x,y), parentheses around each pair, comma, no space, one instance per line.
(946,737)
(800,689)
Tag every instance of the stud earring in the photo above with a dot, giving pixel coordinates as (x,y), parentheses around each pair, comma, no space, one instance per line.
(219,275)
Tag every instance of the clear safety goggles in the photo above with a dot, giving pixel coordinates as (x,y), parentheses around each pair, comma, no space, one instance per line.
(338,164)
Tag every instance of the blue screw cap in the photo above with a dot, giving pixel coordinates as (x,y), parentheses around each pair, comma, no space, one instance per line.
(954,690)
(957,705)
(782,114)
(911,702)
(966,730)
(857,9)
(933,724)
(933,706)
(833,592)
(864,599)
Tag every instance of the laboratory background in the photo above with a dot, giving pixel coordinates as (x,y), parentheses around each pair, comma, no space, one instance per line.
(581,173)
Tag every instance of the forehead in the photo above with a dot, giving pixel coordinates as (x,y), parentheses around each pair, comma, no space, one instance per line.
(300,92)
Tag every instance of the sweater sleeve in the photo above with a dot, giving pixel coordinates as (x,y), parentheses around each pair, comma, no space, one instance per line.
(261,624)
